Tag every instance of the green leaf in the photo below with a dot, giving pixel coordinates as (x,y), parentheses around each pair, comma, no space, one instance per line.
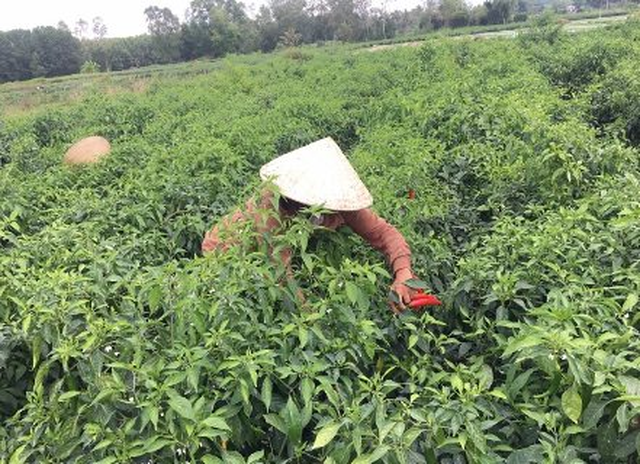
(183,407)
(393,297)
(293,420)
(154,414)
(632,386)
(307,388)
(416,284)
(326,434)
(593,413)
(266,392)
(353,292)
(514,388)
(573,430)
(216,422)
(364,459)
(626,445)
(379,453)
(456,383)
(16,457)
(521,343)
(210,433)
(255,457)
(485,379)
(66,396)
(233,457)
(410,436)
(572,404)
(155,297)
(151,446)
(531,455)
(308,261)
(276,421)
(303,336)
(622,416)
(630,302)
(107,460)
(103,444)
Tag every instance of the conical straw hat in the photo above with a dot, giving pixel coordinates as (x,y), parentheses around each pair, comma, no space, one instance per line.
(318,174)
(87,150)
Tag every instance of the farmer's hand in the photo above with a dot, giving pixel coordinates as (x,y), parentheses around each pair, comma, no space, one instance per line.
(404,292)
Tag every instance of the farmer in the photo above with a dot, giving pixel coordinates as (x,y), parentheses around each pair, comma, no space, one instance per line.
(320,174)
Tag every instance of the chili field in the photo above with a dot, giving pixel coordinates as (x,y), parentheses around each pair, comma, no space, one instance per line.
(121,343)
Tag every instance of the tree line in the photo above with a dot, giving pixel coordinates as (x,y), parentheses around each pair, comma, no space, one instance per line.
(214,28)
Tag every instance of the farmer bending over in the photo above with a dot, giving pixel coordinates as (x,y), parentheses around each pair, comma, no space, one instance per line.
(319,174)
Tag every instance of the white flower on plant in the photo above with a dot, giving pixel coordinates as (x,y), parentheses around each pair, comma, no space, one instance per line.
(108,349)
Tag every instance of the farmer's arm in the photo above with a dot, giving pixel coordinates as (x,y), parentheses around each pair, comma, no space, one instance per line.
(385,238)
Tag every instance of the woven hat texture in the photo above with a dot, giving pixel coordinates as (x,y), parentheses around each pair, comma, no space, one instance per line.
(87,150)
(319,174)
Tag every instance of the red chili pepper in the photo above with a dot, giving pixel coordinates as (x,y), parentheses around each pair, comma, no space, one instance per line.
(422,299)
(412,194)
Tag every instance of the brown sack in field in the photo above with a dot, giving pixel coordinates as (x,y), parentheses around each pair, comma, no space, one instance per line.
(87,150)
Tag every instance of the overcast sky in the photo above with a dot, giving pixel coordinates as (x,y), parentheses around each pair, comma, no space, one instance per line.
(122,17)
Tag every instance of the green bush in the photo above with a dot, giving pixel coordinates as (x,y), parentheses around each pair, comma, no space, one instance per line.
(615,102)
(89,67)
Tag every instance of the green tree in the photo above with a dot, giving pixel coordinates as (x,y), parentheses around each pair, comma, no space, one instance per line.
(290,38)
(55,52)
(344,19)
(164,28)
(226,36)
(195,40)
(267,29)
(216,27)
(455,13)
(500,11)
(161,21)
(16,49)
(291,14)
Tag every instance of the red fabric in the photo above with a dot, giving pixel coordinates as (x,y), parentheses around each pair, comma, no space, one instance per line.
(376,231)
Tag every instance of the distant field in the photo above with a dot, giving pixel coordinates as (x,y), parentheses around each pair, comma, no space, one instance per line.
(26,96)
(578,25)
